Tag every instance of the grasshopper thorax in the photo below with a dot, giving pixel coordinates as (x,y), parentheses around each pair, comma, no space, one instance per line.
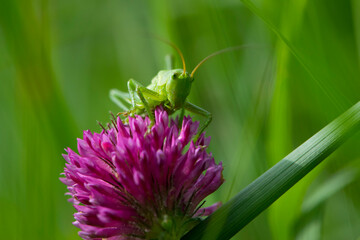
(178,87)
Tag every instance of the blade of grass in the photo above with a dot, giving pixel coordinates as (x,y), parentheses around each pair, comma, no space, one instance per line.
(261,193)
(332,185)
(43,126)
(312,228)
(282,214)
(325,87)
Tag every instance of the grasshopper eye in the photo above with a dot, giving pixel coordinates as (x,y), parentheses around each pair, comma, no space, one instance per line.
(174,75)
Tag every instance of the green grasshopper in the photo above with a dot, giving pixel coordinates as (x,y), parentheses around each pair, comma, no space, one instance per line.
(169,88)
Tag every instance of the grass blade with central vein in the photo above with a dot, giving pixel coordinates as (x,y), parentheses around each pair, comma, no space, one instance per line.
(261,193)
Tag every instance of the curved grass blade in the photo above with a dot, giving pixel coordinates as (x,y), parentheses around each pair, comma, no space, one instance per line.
(325,87)
(261,193)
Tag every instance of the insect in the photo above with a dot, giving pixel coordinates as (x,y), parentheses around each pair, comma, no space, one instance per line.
(169,88)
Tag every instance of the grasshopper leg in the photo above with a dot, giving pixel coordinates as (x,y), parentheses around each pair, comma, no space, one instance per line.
(200,111)
(132,85)
(150,94)
(135,87)
(144,95)
(119,98)
(146,106)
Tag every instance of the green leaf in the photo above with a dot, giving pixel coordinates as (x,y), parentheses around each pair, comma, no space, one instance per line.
(261,193)
(280,141)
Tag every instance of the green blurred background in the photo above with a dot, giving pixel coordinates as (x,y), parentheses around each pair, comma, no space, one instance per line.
(58,60)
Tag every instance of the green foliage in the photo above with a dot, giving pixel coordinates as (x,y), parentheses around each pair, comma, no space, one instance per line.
(261,193)
(60,58)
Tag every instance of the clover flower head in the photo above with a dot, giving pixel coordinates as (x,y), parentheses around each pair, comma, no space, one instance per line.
(130,183)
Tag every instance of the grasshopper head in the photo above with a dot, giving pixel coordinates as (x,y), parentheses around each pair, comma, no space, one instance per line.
(178,87)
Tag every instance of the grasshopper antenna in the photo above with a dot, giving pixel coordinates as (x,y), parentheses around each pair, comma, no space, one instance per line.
(176,48)
(214,54)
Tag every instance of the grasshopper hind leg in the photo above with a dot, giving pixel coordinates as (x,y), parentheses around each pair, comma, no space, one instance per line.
(136,88)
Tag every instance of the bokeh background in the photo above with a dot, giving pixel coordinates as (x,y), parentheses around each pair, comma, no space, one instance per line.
(300,69)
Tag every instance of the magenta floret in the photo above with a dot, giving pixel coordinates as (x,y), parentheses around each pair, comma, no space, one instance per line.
(127,183)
